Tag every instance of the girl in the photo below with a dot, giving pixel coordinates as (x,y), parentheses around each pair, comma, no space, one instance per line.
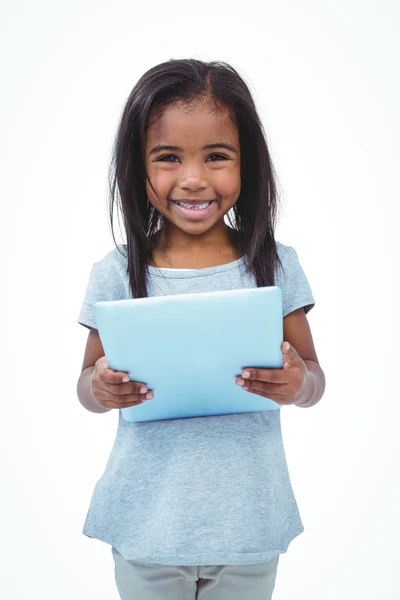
(200,507)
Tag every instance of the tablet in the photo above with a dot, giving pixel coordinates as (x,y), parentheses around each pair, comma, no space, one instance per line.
(188,349)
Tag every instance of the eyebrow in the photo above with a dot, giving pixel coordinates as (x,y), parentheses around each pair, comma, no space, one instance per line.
(159,148)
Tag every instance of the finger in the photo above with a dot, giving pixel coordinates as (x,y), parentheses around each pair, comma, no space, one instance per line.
(135,398)
(110,376)
(282,400)
(265,388)
(133,387)
(278,376)
(118,404)
(126,401)
(290,355)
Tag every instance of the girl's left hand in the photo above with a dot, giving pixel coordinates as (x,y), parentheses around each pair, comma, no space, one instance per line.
(285,386)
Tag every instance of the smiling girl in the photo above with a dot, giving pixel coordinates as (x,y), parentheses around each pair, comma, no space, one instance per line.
(201,507)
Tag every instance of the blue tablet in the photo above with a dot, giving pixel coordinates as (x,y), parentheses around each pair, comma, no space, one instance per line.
(188,349)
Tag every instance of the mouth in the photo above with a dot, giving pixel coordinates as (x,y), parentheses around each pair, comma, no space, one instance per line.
(193,204)
(194,209)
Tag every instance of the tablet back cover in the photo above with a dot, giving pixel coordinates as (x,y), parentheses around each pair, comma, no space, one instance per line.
(188,349)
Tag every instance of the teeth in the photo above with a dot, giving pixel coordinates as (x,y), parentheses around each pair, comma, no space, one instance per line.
(194,207)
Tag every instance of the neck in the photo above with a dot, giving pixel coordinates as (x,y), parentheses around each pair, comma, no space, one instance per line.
(178,249)
(219,238)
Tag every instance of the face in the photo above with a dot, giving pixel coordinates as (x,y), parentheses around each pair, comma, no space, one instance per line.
(193,163)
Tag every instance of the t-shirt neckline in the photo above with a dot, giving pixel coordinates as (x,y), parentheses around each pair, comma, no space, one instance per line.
(177,274)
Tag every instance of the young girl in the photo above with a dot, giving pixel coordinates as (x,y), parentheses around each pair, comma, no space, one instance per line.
(201,507)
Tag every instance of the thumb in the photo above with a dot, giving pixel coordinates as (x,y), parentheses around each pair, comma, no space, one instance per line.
(289,354)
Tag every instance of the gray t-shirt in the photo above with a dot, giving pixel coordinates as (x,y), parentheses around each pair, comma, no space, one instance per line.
(198,491)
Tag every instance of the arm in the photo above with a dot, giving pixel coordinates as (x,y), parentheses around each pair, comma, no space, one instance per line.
(94,351)
(317,385)
(298,333)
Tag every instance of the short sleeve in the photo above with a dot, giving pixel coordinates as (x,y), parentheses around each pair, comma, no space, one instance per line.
(104,284)
(95,292)
(296,290)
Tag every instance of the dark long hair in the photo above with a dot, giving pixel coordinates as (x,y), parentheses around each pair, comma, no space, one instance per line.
(255,210)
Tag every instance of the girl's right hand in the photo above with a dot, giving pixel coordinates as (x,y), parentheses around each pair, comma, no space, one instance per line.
(110,391)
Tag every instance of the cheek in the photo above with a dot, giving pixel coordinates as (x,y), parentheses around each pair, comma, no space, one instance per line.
(162,183)
(228,184)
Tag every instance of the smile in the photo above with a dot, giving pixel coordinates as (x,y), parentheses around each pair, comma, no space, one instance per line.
(195,205)
(195,210)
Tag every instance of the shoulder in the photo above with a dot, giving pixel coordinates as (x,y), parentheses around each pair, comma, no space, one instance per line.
(108,280)
(285,251)
(287,258)
(109,274)
(112,263)
(293,281)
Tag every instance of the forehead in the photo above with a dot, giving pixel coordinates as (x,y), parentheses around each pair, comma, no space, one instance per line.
(192,125)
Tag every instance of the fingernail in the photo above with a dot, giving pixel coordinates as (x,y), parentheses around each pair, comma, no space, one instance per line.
(240,382)
(246,374)
(126,378)
(143,389)
(149,396)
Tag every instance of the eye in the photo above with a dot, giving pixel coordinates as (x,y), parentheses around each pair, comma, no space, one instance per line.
(168,158)
(217,157)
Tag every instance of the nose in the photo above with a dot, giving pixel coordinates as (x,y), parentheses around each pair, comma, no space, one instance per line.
(193,179)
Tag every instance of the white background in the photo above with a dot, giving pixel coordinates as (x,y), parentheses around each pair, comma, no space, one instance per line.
(324,75)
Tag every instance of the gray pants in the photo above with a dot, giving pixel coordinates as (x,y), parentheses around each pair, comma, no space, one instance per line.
(137,580)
